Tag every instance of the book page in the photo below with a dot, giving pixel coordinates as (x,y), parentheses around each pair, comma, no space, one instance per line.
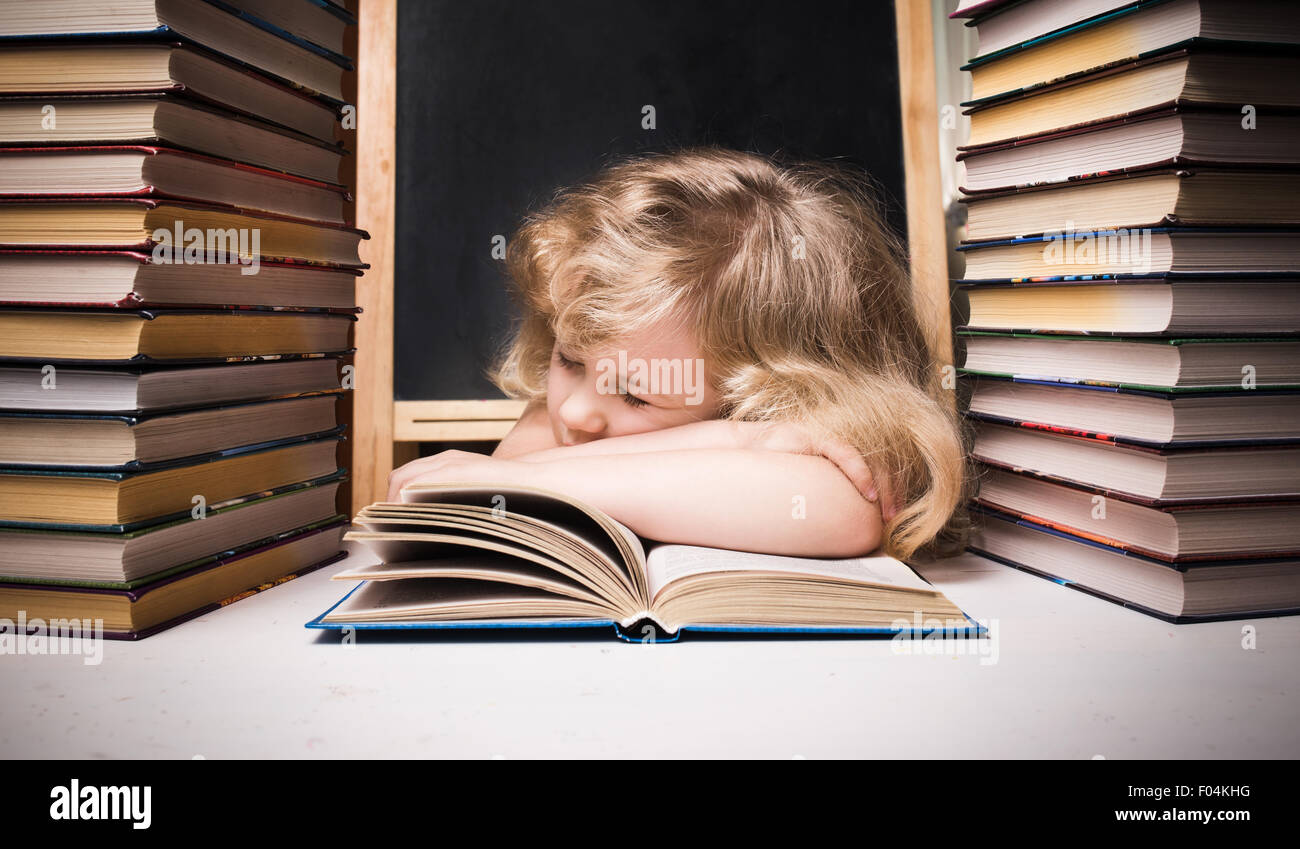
(633,541)
(450,599)
(581,521)
(535,505)
(667,563)
(484,566)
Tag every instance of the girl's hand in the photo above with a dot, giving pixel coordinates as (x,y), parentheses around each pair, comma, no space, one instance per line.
(793,439)
(456,466)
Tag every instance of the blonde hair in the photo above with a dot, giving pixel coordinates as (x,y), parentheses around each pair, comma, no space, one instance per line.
(796,289)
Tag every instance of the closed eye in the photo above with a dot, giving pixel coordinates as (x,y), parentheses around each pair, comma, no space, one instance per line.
(574,365)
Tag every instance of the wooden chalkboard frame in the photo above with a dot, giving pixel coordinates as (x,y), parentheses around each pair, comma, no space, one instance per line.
(384,430)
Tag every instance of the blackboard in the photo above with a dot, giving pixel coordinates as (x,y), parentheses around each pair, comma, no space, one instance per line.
(501,102)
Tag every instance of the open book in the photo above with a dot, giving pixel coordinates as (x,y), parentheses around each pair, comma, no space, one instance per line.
(478,555)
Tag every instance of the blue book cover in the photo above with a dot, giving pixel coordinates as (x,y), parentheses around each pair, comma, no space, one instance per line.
(1056,34)
(336,10)
(1285,232)
(649,631)
(337,58)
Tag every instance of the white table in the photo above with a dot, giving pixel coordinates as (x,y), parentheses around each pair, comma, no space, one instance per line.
(1074,677)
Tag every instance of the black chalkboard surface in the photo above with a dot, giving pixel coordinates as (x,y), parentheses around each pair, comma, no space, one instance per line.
(501,102)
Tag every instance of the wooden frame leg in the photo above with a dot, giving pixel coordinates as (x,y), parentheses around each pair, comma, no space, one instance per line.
(372,433)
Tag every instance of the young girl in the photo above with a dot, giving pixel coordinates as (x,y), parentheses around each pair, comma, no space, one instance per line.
(721,350)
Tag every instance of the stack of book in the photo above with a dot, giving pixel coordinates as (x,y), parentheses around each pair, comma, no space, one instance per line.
(1132,356)
(177,275)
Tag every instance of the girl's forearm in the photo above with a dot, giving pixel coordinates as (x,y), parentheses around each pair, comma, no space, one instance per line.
(715,433)
(761,501)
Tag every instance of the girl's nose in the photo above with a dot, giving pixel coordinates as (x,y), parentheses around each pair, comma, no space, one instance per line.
(581,413)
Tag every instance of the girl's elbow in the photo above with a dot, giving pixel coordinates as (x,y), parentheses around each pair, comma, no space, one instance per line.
(858,538)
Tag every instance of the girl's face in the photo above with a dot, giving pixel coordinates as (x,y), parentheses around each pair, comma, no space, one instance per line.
(652,380)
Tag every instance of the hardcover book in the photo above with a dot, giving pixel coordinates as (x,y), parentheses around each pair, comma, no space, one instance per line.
(138,389)
(1211,304)
(1137,470)
(42,497)
(137,443)
(1134,144)
(165,120)
(1176,533)
(132,614)
(1083,255)
(473,556)
(1147,416)
(160,172)
(55,71)
(181,233)
(1007,23)
(167,335)
(124,560)
(1152,84)
(1202,591)
(1130,33)
(1175,365)
(131,280)
(241,37)
(1199,197)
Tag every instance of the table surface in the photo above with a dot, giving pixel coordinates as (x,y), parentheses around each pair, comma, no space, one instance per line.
(1065,675)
